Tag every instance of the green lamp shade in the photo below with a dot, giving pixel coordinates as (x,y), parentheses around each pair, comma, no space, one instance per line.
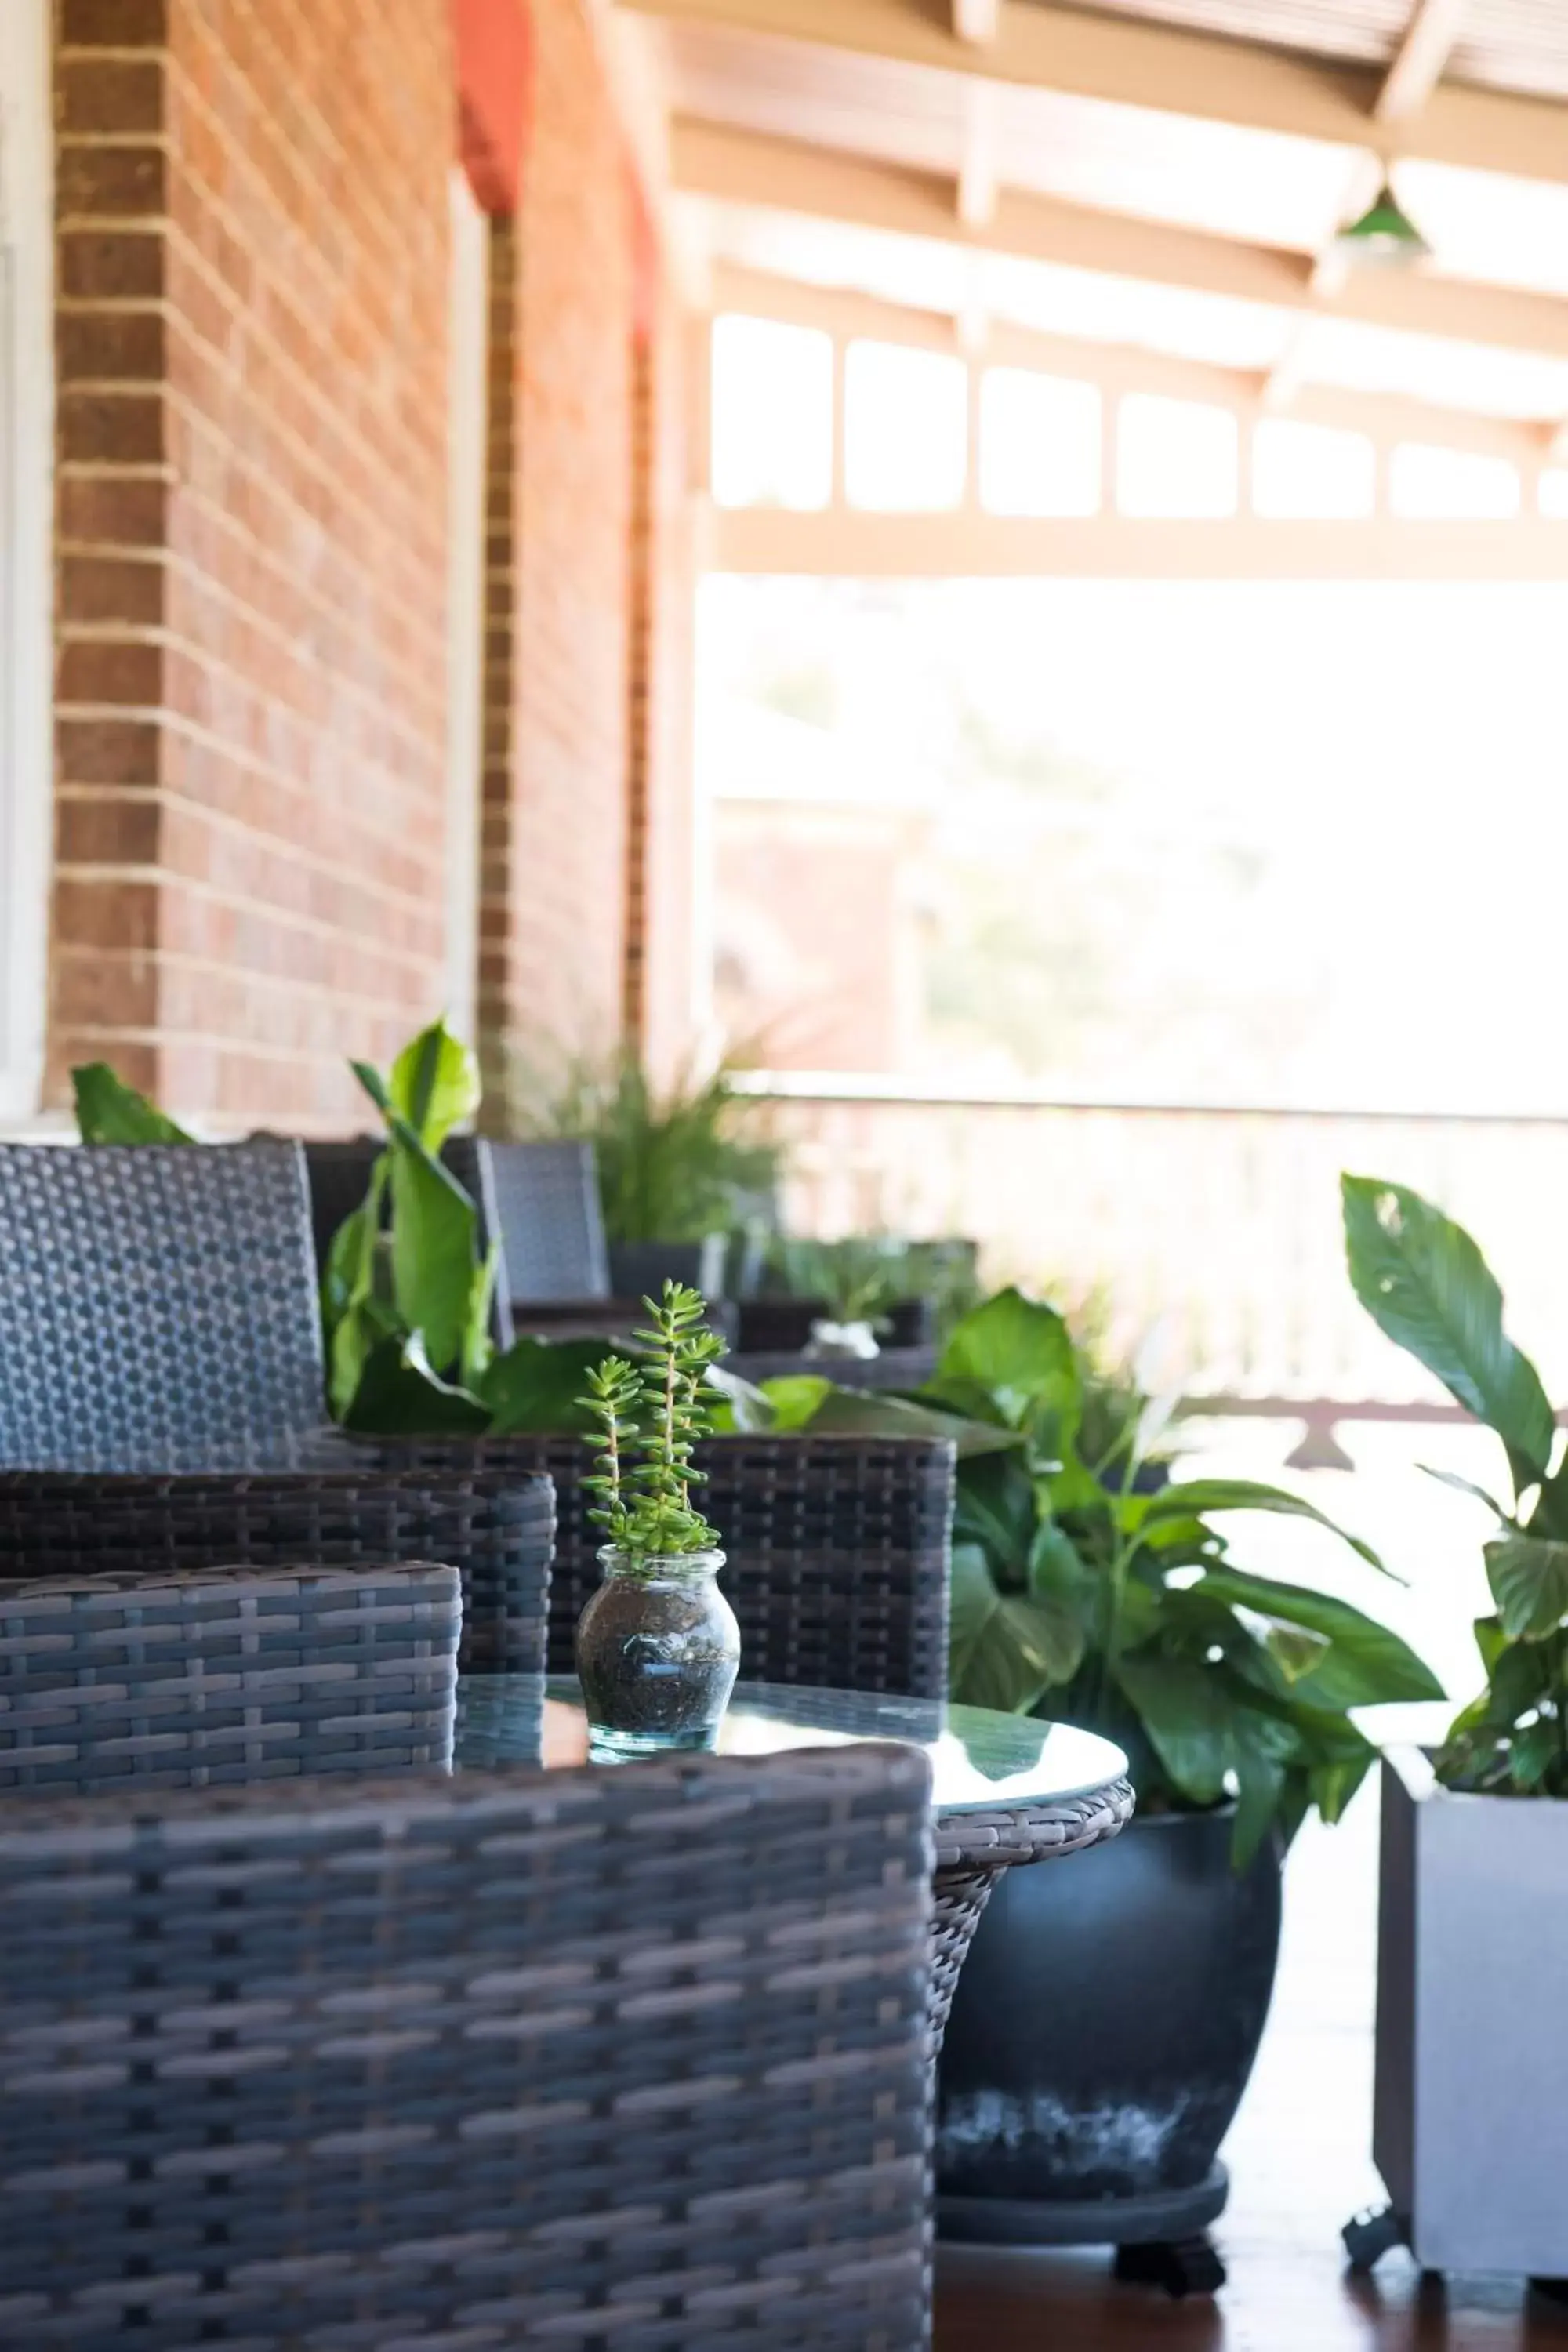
(1383,235)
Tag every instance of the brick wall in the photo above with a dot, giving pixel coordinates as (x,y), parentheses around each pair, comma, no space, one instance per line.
(252,292)
(552,914)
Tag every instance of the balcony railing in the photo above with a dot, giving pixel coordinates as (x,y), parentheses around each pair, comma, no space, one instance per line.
(1212,1233)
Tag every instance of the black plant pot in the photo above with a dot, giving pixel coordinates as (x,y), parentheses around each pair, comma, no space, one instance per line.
(1104,2028)
(641,1269)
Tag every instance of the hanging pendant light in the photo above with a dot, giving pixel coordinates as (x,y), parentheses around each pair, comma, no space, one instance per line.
(1385,237)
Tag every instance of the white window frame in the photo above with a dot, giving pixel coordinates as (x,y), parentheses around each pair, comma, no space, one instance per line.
(26,547)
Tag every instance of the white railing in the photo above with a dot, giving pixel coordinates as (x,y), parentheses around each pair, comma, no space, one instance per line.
(1216,1230)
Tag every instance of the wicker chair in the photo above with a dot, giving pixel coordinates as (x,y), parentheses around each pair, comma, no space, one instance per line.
(496,1532)
(178,1682)
(157,1307)
(548,1215)
(838,1548)
(593,2059)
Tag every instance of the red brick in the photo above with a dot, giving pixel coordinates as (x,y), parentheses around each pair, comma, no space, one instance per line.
(109,94)
(108,752)
(109,511)
(290,710)
(110,669)
(120,428)
(113,24)
(115,183)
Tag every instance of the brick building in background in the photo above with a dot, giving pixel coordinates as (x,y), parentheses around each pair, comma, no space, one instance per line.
(260,798)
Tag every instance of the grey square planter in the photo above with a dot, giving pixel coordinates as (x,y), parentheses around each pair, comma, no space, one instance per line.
(1470,2115)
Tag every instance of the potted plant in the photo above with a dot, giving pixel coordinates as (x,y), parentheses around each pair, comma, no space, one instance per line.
(658,1646)
(676,1176)
(1108,2018)
(1471,2123)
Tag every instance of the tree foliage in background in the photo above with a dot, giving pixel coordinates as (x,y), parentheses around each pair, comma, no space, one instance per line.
(860,1278)
(1426,1283)
(675,1163)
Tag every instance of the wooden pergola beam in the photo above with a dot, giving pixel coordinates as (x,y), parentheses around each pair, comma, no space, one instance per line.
(1419,60)
(1127,61)
(1114,547)
(1385,418)
(780,175)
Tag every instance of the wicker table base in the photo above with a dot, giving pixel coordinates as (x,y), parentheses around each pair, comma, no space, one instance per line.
(973,1849)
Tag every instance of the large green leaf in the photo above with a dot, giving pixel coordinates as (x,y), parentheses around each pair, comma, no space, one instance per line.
(538,1385)
(477,1348)
(1187,1711)
(434,1085)
(1365,1665)
(739,1408)
(1003,1650)
(1424,1282)
(997,1508)
(1529,1578)
(399,1395)
(796,1398)
(1192,1497)
(1020,1351)
(875,1413)
(434,1252)
(108,1111)
(356,1317)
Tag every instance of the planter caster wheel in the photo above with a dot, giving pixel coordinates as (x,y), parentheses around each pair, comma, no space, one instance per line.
(1371,2235)
(1182,2266)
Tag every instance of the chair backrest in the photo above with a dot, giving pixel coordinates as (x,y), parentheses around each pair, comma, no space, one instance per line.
(839,1549)
(496,1531)
(337,1172)
(158,1306)
(550,1220)
(177,1682)
(578,2058)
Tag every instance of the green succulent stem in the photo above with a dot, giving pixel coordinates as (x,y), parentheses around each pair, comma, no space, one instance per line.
(649,1418)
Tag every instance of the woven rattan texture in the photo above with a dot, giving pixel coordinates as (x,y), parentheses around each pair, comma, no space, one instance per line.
(838,1550)
(157,1307)
(496,1532)
(546,1205)
(611,2062)
(194,1681)
(973,1849)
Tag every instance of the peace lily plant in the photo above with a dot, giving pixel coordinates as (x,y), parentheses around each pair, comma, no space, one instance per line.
(1426,1283)
(1092,1585)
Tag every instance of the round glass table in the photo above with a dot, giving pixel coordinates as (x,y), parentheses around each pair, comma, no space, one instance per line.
(1005,1789)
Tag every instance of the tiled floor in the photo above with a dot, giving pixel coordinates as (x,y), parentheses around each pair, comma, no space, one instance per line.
(1299,2154)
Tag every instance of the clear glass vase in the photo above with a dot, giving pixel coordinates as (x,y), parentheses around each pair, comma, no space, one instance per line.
(658,1653)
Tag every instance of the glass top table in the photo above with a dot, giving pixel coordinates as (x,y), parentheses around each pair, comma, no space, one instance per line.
(980,1759)
(1005,1789)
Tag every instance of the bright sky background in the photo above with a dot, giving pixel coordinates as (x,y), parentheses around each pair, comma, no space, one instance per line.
(1339,810)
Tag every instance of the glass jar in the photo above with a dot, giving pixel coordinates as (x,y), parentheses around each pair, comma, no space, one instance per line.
(658,1652)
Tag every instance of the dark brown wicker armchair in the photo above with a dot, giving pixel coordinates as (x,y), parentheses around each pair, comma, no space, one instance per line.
(608,2059)
(180,1681)
(838,1548)
(157,1307)
(495,1529)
